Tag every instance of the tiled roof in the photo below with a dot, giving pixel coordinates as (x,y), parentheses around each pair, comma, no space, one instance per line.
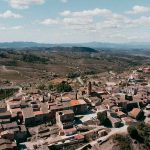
(74,102)
(135,112)
(70,130)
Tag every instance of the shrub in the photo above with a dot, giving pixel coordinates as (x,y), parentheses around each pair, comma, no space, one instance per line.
(41,87)
(63,87)
(123,141)
(73,74)
(50,86)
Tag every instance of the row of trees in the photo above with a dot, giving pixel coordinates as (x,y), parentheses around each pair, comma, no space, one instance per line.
(4,93)
(33,58)
(61,87)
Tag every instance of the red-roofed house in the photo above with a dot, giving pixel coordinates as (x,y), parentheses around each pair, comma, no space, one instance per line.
(79,106)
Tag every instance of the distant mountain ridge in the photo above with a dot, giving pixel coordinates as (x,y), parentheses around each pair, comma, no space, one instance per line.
(135,45)
(22,44)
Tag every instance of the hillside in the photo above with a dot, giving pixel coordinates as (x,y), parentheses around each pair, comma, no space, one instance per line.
(42,63)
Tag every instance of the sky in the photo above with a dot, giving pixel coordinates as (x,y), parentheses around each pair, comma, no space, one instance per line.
(75,21)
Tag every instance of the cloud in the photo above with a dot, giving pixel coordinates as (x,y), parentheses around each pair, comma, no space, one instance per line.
(9,14)
(3,28)
(77,21)
(142,21)
(49,21)
(24,4)
(94,24)
(67,21)
(66,13)
(122,23)
(64,1)
(138,9)
(85,21)
(87,13)
(16,27)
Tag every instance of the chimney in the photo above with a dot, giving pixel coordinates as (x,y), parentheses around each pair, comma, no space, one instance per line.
(89,88)
(76,94)
(61,98)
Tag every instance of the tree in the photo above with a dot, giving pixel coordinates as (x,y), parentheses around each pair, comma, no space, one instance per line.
(63,87)
(102,117)
(133,132)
